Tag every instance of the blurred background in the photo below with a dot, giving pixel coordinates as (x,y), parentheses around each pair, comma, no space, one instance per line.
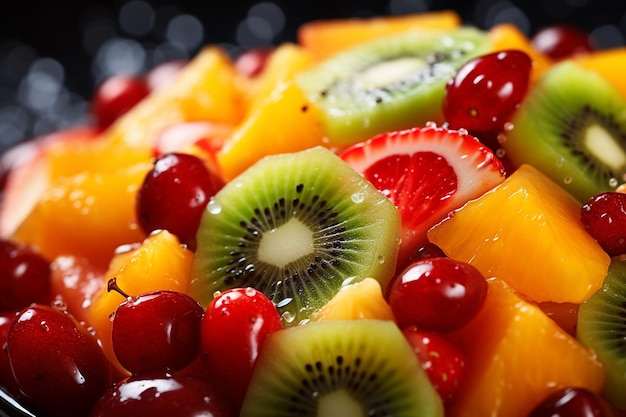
(54,53)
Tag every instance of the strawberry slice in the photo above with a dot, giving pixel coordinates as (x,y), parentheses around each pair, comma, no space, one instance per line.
(426,172)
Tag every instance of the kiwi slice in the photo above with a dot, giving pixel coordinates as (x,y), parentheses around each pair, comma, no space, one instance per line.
(602,328)
(296,226)
(388,84)
(347,368)
(572,127)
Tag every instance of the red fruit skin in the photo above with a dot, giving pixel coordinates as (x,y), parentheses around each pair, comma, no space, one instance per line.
(159,394)
(24,276)
(234,329)
(57,364)
(115,96)
(443,361)
(569,402)
(437,294)
(562,41)
(486,91)
(251,63)
(6,376)
(157,331)
(604,217)
(174,194)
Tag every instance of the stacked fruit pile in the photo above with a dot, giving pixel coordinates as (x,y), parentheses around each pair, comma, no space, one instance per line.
(394,216)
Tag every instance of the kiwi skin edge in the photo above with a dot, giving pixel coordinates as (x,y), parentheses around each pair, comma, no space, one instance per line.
(602,328)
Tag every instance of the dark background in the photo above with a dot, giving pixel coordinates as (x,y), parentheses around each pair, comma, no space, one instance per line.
(53,53)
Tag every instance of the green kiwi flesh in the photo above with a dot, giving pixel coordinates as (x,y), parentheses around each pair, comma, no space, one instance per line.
(356,368)
(295,227)
(602,328)
(388,84)
(572,127)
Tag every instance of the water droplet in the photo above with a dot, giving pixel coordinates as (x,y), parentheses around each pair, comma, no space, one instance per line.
(44,326)
(560,161)
(59,304)
(214,207)
(613,182)
(410,233)
(463,132)
(508,126)
(358,197)
(250,292)
(567,180)
(431,124)
(112,316)
(288,317)
(217,294)
(284,302)
(501,138)
(500,152)
(381,259)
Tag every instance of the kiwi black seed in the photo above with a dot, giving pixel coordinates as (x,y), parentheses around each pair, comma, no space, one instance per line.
(295,227)
(388,84)
(572,127)
(602,328)
(340,368)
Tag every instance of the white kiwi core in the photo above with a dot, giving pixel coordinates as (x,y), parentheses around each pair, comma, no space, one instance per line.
(286,243)
(339,403)
(388,72)
(603,146)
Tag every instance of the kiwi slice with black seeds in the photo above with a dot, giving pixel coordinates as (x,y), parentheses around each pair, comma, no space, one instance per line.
(572,127)
(602,328)
(388,84)
(352,368)
(296,227)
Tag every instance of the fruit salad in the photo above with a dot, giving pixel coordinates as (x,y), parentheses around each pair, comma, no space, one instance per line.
(392,216)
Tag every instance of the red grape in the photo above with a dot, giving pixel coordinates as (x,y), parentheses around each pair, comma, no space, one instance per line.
(569,402)
(174,194)
(6,376)
(115,96)
(486,91)
(234,329)
(24,276)
(604,217)
(562,41)
(156,331)
(161,394)
(437,294)
(443,362)
(58,365)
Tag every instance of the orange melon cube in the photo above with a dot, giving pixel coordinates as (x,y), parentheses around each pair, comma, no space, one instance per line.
(324,38)
(207,88)
(86,215)
(515,356)
(527,231)
(160,262)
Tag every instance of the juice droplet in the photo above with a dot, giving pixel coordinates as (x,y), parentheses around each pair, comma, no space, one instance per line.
(358,197)
(288,317)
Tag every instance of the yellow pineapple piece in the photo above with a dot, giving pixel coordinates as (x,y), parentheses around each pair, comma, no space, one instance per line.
(360,300)
(207,88)
(160,262)
(527,231)
(515,356)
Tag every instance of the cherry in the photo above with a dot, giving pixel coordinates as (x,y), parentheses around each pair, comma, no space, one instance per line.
(252,62)
(443,361)
(115,96)
(156,331)
(604,217)
(437,294)
(562,41)
(6,376)
(486,91)
(161,394)
(234,329)
(57,363)
(174,194)
(569,402)
(24,276)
